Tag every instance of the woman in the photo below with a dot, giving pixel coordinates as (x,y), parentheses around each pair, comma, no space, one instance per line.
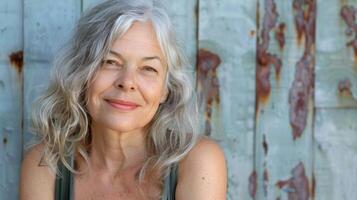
(118,118)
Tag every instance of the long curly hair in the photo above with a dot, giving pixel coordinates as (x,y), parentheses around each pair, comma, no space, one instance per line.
(60,118)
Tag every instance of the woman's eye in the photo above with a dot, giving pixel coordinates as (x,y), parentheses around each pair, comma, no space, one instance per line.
(111,63)
(150,69)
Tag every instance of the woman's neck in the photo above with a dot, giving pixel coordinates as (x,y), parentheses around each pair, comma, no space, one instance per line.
(113,152)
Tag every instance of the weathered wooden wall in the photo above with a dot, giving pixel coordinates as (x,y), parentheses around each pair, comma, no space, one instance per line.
(11,105)
(277,82)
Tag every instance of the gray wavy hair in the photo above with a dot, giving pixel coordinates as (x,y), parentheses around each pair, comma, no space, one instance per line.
(60,118)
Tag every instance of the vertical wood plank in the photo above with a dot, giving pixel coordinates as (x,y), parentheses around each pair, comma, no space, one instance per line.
(336,154)
(284,107)
(335,138)
(11,42)
(336,64)
(225,82)
(183,15)
(47,26)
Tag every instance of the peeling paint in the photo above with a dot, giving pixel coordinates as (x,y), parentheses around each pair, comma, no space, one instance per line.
(264,58)
(280,35)
(253,184)
(4,140)
(299,18)
(208,83)
(252,33)
(17,60)
(301,91)
(297,185)
(265,145)
(348,14)
(344,88)
(266,181)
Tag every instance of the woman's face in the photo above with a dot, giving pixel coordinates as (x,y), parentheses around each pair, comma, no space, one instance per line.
(129,86)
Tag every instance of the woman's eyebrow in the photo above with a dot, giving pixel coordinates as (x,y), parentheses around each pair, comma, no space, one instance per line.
(116,54)
(143,59)
(151,58)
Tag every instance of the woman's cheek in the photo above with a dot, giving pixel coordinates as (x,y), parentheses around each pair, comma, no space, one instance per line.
(153,90)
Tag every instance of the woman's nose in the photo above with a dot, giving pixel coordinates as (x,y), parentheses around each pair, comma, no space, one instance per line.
(126,80)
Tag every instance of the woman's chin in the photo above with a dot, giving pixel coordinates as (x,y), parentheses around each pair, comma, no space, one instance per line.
(122,127)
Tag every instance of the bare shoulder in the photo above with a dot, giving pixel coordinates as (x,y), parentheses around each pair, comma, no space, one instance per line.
(37,180)
(203,172)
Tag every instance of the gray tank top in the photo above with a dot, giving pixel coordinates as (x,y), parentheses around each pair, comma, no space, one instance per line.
(64,184)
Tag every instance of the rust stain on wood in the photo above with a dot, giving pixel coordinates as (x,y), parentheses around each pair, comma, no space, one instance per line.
(348,14)
(344,88)
(251,33)
(253,184)
(280,35)
(303,85)
(208,83)
(17,60)
(297,185)
(264,58)
(313,187)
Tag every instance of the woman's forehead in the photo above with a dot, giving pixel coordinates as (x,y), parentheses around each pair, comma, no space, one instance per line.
(140,40)
(141,30)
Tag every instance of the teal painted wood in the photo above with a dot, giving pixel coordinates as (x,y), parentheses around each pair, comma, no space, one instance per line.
(10,98)
(184,19)
(335,141)
(279,158)
(224,31)
(336,154)
(336,64)
(227,89)
(89,3)
(47,26)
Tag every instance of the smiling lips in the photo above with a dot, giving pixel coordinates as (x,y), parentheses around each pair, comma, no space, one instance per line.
(122,105)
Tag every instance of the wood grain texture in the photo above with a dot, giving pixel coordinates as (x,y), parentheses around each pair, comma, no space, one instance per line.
(284,136)
(336,61)
(47,26)
(225,83)
(183,15)
(336,154)
(89,3)
(281,157)
(11,43)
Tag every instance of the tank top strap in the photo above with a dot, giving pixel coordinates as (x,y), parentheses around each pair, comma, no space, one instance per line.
(64,183)
(170,184)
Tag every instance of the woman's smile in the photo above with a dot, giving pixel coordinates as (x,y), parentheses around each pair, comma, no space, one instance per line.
(122,105)
(132,76)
